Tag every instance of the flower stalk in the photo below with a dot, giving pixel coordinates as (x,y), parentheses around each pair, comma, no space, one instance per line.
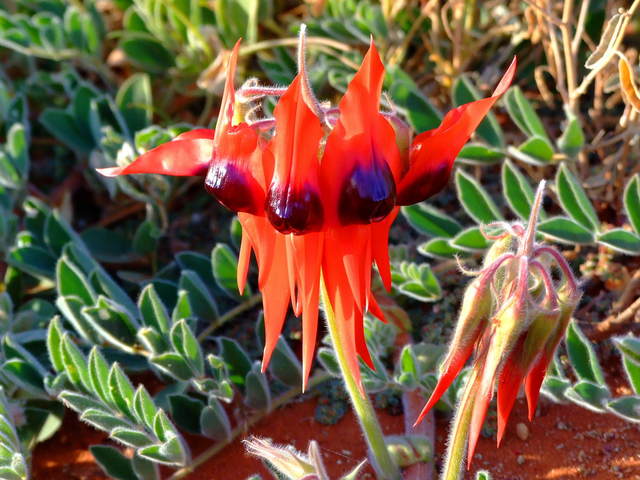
(379,456)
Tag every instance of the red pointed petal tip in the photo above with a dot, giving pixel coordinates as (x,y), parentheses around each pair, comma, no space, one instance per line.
(433,152)
(452,367)
(181,158)
(509,382)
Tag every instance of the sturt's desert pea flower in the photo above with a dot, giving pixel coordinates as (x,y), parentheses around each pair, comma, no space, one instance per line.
(513,316)
(316,189)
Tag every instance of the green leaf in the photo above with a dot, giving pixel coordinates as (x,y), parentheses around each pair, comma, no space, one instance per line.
(584,360)
(285,366)
(112,322)
(152,310)
(572,139)
(18,148)
(629,346)
(214,422)
(34,260)
(135,102)
(22,374)
(121,390)
(565,230)
(200,299)
(470,239)
(632,202)
(535,150)
(62,125)
(174,365)
(418,110)
(147,52)
(429,220)
(632,369)
(71,281)
(621,240)
(54,344)
(489,129)
(478,154)
(590,395)
(438,248)
(103,420)
(186,344)
(574,200)
(130,437)
(238,362)
(113,463)
(523,114)
(516,190)
(327,359)
(143,407)
(186,412)
(9,175)
(626,407)
(224,265)
(257,394)
(475,199)
(99,376)
(75,363)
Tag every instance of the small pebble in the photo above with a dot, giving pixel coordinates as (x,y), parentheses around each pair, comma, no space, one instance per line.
(522,431)
(520,459)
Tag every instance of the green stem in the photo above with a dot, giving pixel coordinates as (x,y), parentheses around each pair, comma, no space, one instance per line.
(231,314)
(379,455)
(457,446)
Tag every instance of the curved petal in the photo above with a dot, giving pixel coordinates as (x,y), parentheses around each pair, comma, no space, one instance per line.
(361,163)
(181,158)
(434,151)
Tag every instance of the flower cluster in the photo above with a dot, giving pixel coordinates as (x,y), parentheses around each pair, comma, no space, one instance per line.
(513,316)
(316,190)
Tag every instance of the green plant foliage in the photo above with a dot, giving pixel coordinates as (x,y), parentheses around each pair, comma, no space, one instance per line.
(104,397)
(590,389)
(580,225)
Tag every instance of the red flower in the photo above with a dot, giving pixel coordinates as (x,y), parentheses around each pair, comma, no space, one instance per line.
(317,197)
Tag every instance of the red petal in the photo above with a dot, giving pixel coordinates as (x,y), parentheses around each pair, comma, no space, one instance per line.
(179,158)
(509,381)
(361,162)
(307,255)
(380,247)
(294,202)
(451,368)
(275,300)
(243,262)
(434,151)
(205,133)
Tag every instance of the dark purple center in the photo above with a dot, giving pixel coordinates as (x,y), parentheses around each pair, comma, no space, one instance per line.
(294,211)
(368,194)
(231,187)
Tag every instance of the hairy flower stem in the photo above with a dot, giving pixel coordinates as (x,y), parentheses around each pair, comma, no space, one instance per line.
(384,466)
(457,446)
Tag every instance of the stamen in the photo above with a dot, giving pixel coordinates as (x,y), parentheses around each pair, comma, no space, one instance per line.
(307,93)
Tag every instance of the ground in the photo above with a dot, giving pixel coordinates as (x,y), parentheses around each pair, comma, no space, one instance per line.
(565,442)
